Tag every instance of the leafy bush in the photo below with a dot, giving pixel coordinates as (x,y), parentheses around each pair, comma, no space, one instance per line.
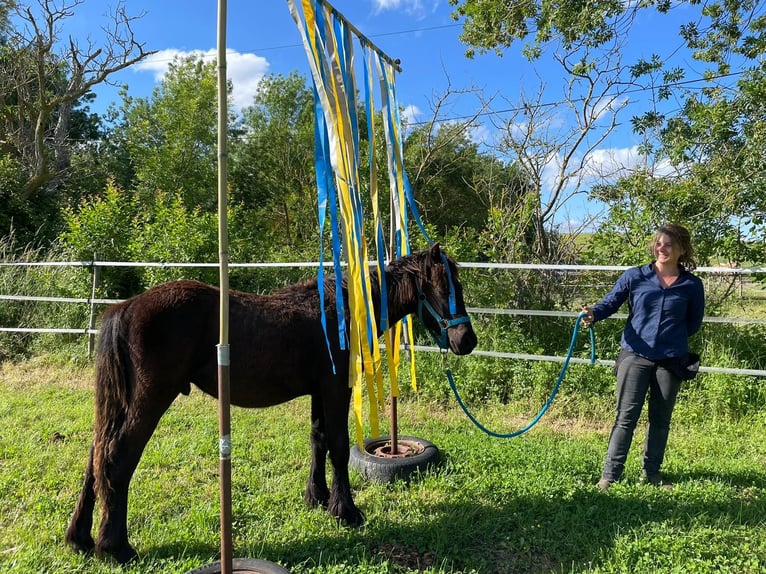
(101,228)
(168,232)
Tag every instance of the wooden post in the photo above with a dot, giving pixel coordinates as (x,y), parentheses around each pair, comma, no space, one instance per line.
(94,272)
(224,406)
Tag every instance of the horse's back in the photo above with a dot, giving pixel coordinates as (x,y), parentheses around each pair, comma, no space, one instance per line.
(277,345)
(169,332)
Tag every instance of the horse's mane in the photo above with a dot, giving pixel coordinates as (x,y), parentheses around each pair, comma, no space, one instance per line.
(401,278)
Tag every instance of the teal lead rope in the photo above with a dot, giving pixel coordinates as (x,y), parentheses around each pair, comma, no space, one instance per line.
(548,403)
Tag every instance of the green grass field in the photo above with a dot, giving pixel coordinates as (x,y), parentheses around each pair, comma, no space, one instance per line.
(524,505)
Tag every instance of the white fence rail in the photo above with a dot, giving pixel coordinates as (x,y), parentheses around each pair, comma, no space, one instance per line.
(94,302)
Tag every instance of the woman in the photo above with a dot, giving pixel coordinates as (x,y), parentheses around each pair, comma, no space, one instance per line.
(666,305)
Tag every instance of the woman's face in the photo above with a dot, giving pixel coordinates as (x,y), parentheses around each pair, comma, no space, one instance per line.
(665,251)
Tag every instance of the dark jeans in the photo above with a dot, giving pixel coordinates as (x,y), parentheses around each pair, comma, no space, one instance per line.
(635,376)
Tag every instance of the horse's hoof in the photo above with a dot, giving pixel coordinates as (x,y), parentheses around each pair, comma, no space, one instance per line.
(82,543)
(352,519)
(122,556)
(347,515)
(316,498)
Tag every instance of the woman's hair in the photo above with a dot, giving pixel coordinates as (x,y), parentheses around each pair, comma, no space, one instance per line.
(681,238)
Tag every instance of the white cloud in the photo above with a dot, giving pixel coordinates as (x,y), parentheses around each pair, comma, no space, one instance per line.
(410,114)
(612,163)
(418,8)
(609,105)
(481,135)
(244,70)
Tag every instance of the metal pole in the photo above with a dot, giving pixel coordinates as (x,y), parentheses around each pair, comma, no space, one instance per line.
(393,415)
(224,399)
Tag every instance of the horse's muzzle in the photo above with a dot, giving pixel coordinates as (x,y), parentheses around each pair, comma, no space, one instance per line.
(462,339)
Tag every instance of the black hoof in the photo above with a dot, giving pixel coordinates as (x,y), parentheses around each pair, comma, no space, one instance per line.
(349,516)
(316,498)
(122,556)
(355,521)
(82,543)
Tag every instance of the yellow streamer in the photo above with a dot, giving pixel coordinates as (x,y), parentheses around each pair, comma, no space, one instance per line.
(327,55)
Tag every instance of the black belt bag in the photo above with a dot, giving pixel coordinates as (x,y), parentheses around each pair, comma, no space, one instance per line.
(685,368)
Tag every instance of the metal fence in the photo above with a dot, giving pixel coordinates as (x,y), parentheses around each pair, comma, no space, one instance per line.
(742,275)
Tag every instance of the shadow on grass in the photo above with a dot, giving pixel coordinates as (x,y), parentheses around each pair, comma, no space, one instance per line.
(739,479)
(521,534)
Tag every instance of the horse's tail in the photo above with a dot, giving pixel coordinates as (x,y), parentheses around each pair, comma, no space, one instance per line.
(114,382)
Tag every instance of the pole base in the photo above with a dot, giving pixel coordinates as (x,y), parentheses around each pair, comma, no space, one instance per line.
(242,566)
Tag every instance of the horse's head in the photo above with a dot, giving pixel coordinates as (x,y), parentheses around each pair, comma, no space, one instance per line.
(440,303)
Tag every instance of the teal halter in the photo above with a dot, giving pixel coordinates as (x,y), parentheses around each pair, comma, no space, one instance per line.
(444,324)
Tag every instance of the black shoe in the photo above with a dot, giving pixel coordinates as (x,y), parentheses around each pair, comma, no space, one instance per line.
(657,480)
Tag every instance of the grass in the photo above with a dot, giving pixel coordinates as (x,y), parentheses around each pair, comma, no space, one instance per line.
(525,505)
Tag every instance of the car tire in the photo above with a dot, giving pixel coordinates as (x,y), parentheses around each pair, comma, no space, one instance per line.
(376,461)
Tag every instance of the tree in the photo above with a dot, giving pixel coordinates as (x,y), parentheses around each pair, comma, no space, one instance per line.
(552,132)
(714,148)
(702,165)
(169,140)
(272,172)
(42,79)
(494,25)
(554,142)
(6,9)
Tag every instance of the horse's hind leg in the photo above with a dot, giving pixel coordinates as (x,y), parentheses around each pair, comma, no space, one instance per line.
(78,534)
(317,493)
(141,420)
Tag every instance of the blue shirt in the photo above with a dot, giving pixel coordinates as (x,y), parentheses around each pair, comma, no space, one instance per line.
(661,319)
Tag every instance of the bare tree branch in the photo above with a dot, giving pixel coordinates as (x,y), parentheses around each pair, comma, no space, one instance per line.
(50,75)
(555,141)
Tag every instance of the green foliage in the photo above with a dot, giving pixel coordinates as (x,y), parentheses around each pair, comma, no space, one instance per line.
(729,395)
(10,181)
(39,281)
(704,164)
(735,347)
(115,227)
(170,138)
(501,380)
(15,279)
(27,222)
(716,143)
(168,232)
(272,169)
(101,228)
(449,175)
(495,24)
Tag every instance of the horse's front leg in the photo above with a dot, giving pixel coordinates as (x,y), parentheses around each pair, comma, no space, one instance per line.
(78,534)
(341,503)
(317,493)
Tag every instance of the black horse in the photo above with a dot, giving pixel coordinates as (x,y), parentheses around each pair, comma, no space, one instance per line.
(154,346)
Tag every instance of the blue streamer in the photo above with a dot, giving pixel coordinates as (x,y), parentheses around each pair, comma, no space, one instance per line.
(326,194)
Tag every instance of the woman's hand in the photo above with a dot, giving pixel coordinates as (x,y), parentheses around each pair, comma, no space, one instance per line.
(588,319)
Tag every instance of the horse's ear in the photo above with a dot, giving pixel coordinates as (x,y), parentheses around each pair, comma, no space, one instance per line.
(436,252)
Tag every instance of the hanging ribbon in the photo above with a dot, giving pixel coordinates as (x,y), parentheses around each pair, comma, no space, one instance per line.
(328,41)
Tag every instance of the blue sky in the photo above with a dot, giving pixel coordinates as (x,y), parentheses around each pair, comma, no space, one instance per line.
(262,38)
